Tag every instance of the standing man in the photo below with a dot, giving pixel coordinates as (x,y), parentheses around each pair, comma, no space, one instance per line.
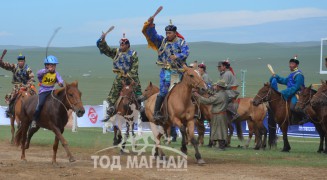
(125,65)
(172,53)
(294,83)
(228,75)
(219,103)
(22,75)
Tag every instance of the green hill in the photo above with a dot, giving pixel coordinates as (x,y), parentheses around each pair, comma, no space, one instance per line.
(94,71)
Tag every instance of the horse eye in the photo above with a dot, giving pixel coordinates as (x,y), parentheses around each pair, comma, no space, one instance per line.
(191,75)
(71,95)
(146,90)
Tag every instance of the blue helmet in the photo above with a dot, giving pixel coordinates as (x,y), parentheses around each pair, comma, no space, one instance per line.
(51,60)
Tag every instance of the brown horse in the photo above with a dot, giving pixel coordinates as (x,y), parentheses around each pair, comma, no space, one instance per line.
(24,93)
(53,117)
(126,99)
(316,114)
(320,98)
(279,107)
(254,115)
(179,109)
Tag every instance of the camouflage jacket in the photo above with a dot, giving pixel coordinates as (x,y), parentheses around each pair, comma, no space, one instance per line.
(20,75)
(126,62)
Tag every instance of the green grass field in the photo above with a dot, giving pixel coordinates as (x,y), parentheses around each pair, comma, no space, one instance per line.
(78,61)
(303,153)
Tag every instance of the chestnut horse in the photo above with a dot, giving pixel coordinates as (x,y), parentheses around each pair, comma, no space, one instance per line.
(254,115)
(179,109)
(316,114)
(53,117)
(24,93)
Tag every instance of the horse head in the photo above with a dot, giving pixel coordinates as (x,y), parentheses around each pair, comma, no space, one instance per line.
(127,94)
(150,90)
(304,97)
(320,98)
(194,79)
(72,98)
(263,95)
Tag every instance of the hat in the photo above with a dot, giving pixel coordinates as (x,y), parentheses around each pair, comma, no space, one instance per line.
(171,27)
(20,57)
(221,83)
(124,40)
(295,60)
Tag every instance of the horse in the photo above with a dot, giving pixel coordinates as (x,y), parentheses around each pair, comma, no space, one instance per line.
(280,110)
(126,99)
(53,117)
(254,115)
(316,114)
(179,110)
(24,93)
(320,98)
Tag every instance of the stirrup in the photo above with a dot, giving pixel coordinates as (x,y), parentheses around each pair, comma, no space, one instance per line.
(33,124)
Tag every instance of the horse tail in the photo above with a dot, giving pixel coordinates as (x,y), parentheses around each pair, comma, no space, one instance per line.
(23,125)
(239,131)
(272,129)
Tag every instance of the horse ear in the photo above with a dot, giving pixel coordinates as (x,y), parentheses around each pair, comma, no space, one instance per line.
(310,87)
(323,82)
(150,83)
(75,83)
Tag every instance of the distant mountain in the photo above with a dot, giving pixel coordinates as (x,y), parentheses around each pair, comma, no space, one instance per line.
(16,47)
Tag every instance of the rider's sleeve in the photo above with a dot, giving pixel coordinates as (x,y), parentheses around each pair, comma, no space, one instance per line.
(281,80)
(105,49)
(135,66)
(41,73)
(153,36)
(30,76)
(59,78)
(8,66)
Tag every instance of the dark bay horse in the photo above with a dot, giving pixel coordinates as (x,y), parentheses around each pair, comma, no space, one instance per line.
(254,115)
(179,109)
(124,111)
(316,114)
(53,117)
(280,109)
(24,93)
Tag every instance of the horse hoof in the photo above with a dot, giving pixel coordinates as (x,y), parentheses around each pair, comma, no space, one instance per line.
(24,161)
(201,162)
(284,150)
(72,159)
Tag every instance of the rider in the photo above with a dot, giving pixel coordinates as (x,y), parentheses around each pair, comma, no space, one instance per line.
(294,82)
(227,74)
(172,53)
(22,74)
(125,64)
(47,78)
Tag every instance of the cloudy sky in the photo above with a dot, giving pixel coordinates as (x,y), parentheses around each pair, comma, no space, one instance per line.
(32,22)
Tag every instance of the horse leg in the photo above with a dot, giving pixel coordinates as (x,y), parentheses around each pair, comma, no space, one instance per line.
(12,125)
(201,131)
(64,143)
(55,148)
(251,131)
(24,134)
(287,146)
(168,132)
(190,127)
(30,134)
(264,143)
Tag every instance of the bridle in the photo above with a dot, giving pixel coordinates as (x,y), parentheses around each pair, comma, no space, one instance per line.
(264,98)
(306,102)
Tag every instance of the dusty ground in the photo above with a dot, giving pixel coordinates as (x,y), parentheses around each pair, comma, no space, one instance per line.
(38,166)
